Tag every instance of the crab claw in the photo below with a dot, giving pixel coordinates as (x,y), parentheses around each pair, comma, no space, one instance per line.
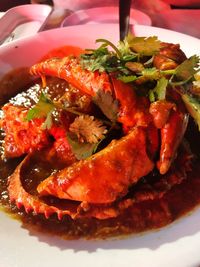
(69,69)
(105,176)
(172,122)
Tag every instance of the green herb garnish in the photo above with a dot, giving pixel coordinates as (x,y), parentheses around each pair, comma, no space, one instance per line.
(193,106)
(144,46)
(107,104)
(43,109)
(81,150)
(159,92)
(185,71)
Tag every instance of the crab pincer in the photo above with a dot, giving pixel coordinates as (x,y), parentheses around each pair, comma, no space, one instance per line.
(105,176)
(69,69)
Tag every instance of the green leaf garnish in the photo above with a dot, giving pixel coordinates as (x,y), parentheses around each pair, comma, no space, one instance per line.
(81,150)
(43,109)
(185,71)
(107,104)
(108,43)
(193,106)
(149,74)
(159,92)
(100,59)
(196,84)
(48,122)
(94,64)
(145,46)
(124,49)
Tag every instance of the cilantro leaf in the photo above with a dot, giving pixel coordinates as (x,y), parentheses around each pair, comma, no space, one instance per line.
(128,57)
(94,64)
(186,69)
(193,106)
(43,109)
(159,92)
(149,74)
(196,84)
(125,50)
(108,43)
(81,150)
(123,47)
(145,46)
(101,51)
(107,104)
(161,88)
(48,122)
(99,61)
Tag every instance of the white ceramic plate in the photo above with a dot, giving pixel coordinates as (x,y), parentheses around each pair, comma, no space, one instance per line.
(176,245)
(104,15)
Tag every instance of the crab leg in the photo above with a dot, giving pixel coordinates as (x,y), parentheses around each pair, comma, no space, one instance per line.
(22,198)
(171,136)
(133,109)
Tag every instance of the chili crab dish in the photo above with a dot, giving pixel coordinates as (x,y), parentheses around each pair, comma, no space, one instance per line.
(99,142)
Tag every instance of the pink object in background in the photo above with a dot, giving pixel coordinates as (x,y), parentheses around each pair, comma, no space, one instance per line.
(86,4)
(181,20)
(184,3)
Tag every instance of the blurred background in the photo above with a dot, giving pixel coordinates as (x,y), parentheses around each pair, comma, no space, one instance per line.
(178,15)
(79,4)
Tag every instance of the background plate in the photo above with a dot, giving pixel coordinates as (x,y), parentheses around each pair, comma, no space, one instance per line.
(22,21)
(104,15)
(177,245)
